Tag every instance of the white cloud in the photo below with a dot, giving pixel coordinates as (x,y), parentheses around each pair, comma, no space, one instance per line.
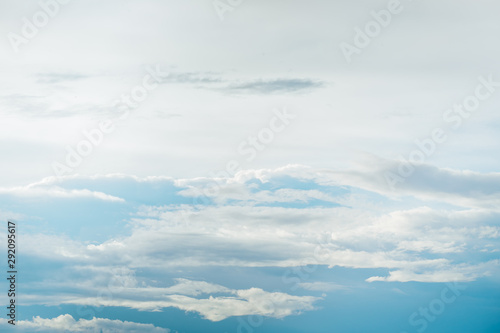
(406,236)
(457,187)
(462,273)
(119,288)
(66,323)
(373,231)
(58,192)
(253,301)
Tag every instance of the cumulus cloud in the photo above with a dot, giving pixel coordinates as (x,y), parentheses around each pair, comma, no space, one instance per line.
(212,301)
(413,239)
(253,301)
(119,287)
(244,226)
(421,240)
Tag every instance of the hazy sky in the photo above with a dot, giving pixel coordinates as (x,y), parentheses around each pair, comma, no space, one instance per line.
(267,166)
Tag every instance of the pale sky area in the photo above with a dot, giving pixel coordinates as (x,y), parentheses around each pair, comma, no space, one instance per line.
(252,166)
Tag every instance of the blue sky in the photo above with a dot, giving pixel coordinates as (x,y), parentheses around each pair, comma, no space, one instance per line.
(226,166)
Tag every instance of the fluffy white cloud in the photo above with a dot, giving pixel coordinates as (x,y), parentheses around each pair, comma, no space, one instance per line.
(253,301)
(369,231)
(414,240)
(212,301)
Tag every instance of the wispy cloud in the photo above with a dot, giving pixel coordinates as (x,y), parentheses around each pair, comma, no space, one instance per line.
(222,83)
(271,86)
(214,302)
(52,78)
(458,187)
(66,323)
(321,286)
(58,192)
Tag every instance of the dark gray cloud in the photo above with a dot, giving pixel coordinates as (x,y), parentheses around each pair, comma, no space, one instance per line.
(192,78)
(276,86)
(210,80)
